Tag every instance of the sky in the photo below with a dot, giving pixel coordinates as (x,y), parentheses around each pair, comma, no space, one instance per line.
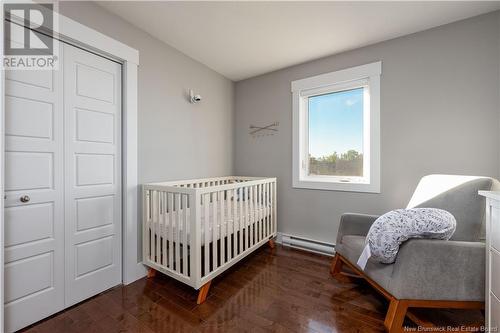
(336,122)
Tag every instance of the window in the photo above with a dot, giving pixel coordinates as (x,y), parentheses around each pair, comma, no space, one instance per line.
(336,134)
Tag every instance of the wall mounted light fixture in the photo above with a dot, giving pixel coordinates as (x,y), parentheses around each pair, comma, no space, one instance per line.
(194,98)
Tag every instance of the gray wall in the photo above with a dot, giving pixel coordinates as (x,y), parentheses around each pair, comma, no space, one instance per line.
(176,139)
(439,114)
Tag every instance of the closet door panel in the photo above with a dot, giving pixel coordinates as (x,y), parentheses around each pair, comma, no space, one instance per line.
(29,170)
(95,83)
(19,109)
(93,175)
(34,203)
(21,273)
(92,126)
(94,212)
(29,223)
(94,169)
(34,79)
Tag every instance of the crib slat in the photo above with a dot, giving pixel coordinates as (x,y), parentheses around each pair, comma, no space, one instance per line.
(154,215)
(152,224)
(223,223)
(275,207)
(271,210)
(206,227)
(269,200)
(262,210)
(170,226)
(158,227)
(247,217)
(267,210)
(215,228)
(184,234)
(170,204)
(147,230)
(162,230)
(235,217)
(264,220)
(177,237)
(255,213)
(252,215)
(230,224)
(259,211)
(162,227)
(240,219)
(155,225)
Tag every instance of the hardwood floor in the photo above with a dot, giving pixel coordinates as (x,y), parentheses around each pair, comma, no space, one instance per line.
(280,290)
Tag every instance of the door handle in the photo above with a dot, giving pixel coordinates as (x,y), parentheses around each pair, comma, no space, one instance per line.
(25,198)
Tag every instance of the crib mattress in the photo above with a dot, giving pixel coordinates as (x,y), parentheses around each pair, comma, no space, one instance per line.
(167,224)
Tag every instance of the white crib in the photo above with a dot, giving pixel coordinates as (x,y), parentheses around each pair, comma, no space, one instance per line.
(193,230)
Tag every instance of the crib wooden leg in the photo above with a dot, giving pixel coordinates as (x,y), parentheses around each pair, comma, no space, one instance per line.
(151,273)
(203,292)
(271,243)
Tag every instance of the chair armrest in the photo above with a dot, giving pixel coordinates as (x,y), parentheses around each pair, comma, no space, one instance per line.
(430,269)
(354,224)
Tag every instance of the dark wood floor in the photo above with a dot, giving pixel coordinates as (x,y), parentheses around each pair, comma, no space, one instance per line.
(270,291)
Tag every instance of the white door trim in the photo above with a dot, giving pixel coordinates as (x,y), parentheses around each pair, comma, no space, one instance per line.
(77,34)
(2,172)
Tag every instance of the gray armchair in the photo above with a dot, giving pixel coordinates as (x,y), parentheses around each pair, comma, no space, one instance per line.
(426,273)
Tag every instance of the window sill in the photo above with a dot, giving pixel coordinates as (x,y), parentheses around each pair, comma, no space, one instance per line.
(337,186)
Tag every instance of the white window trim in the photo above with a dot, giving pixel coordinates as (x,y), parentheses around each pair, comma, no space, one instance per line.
(368,74)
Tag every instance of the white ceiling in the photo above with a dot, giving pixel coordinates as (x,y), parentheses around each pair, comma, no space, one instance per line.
(245,39)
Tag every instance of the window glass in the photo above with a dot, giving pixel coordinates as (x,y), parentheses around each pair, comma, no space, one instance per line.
(335,127)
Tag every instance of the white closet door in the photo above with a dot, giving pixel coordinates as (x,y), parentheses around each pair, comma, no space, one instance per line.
(92,107)
(34,212)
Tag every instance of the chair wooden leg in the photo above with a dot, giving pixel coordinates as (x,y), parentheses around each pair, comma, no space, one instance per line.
(336,266)
(151,273)
(395,316)
(271,243)
(203,292)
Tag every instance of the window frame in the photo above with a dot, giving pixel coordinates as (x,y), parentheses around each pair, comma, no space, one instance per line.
(367,76)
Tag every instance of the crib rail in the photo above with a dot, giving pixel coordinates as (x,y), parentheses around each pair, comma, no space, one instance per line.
(206,182)
(194,230)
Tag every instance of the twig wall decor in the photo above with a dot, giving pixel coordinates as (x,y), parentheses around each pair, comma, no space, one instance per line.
(270,129)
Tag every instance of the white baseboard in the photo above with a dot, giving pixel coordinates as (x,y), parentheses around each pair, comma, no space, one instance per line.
(306,244)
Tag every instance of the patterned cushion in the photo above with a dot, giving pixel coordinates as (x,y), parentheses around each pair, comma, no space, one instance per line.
(393,228)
